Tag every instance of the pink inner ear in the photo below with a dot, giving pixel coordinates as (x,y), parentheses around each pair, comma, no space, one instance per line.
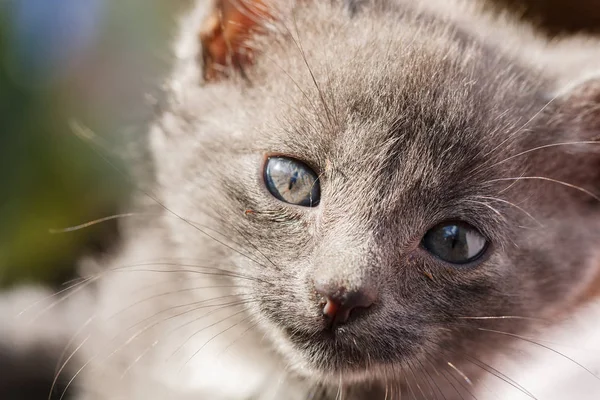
(225,33)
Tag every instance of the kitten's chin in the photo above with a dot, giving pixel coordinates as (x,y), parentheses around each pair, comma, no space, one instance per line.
(329,359)
(350,374)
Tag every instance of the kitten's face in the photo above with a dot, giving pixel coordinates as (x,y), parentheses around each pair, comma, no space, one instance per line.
(394,182)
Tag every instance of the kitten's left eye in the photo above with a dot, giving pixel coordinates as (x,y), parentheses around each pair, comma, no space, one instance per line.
(455,242)
(292,181)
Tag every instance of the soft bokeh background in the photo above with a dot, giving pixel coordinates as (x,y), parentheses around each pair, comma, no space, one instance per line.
(559,16)
(63,62)
(98,63)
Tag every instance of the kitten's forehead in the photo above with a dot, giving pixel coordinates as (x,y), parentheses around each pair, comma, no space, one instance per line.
(391,117)
(411,89)
(376,113)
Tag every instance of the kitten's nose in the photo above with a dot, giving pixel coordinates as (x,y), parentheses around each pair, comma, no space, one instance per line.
(340,303)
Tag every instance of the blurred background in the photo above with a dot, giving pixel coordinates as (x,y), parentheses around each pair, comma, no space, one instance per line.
(98,64)
(64,64)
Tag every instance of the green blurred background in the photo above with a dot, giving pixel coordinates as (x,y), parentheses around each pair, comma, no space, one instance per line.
(97,62)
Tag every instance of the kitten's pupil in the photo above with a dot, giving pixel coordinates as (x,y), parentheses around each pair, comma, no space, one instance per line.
(456,243)
(292,181)
(451,233)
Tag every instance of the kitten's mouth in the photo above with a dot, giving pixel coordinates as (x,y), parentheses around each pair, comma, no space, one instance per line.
(329,352)
(345,352)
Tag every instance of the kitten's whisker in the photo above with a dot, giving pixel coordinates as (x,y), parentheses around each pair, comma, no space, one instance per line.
(219,306)
(69,343)
(255,247)
(412,372)
(492,317)
(543,346)
(196,306)
(224,222)
(298,112)
(526,337)
(141,214)
(91,223)
(429,380)
(60,370)
(137,359)
(511,184)
(482,384)
(302,91)
(155,343)
(408,383)
(252,326)
(184,262)
(215,336)
(519,130)
(71,283)
(146,328)
(445,375)
(425,376)
(513,205)
(389,386)
(179,291)
(427,358)
(78,287)
(203,329)
(544,178)
(486,367)
(191,271)
(222,272)
(547,146)
(79,371)
(462,374)
(138,302)
(298,44)
(460,382)
(239,232)
(488,206)
(181,280)
(29,307)
(224,306)
(305,95)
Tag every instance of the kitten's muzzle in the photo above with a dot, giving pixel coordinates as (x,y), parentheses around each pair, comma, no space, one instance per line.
(340,304)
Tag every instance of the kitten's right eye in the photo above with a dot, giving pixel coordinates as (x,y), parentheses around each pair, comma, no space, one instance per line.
(292,181)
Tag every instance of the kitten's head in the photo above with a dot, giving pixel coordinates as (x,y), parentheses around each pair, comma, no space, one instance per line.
(381,178)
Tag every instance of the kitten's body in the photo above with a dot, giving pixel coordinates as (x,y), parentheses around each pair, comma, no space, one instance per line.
(409,104)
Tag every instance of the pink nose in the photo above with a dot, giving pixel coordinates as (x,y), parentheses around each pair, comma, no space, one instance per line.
(340,303)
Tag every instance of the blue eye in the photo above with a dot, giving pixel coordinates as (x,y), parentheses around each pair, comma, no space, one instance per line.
(292,181)
(455,242)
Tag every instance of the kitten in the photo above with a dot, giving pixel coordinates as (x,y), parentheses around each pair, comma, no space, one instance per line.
(357,199)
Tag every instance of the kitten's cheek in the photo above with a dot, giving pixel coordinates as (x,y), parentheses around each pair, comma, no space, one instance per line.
(311,224)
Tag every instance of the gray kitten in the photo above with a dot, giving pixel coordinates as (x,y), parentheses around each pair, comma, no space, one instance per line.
(376,202)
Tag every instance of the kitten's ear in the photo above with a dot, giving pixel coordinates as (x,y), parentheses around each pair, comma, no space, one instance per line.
(579,112)
(225,33)
(578,121)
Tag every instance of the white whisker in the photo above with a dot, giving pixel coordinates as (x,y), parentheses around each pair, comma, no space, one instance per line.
(543,178)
